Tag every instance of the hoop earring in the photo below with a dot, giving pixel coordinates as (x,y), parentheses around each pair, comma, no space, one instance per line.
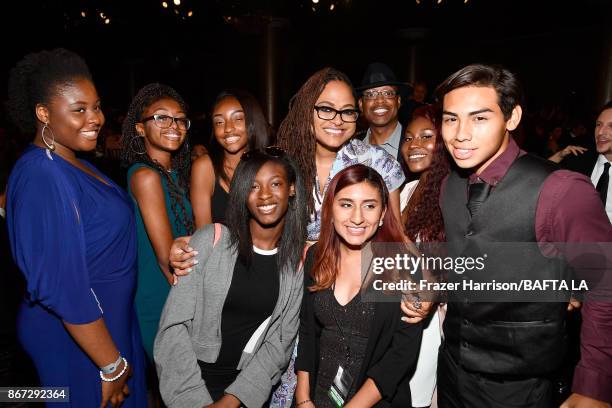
(132,147)
(380,224)
(50,146)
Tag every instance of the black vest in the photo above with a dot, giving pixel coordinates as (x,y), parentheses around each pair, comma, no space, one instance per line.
(512,340)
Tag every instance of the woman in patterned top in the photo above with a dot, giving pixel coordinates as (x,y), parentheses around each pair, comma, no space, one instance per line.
(323,145)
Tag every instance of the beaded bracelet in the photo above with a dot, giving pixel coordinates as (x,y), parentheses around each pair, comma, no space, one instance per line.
(115,378)
(302,402)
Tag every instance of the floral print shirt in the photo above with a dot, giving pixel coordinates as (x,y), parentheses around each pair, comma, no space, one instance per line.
(356,152)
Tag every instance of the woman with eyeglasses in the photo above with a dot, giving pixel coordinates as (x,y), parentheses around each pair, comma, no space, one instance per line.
(317,133)
(228,328)
(238,125)
(156,151)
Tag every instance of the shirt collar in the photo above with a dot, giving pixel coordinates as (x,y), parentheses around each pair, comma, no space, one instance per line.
(393,140)
(499,167)
(601,160)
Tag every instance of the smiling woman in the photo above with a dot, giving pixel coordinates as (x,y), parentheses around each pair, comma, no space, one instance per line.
(67,224)
(317,132)
(238,125)
(351,352)
(229,327)
(154,134)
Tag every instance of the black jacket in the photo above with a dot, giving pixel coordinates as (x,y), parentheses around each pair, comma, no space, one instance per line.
(391,353)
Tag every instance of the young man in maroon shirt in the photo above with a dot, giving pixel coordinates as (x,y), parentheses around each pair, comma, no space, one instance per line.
(502,354)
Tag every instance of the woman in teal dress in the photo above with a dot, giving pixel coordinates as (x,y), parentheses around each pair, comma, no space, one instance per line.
(155,149)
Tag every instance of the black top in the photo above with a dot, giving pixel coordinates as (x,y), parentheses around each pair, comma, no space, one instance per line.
(218,203)
(250,301)
(390,355)
(344,328)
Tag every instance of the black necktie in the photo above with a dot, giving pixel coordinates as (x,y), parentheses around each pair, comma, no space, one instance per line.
(478,193)
(602,183)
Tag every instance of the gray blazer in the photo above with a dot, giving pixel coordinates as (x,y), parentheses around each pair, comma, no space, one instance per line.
(190,329)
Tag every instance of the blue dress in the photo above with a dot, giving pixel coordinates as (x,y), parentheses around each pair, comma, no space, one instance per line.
(74,239)
(153,287)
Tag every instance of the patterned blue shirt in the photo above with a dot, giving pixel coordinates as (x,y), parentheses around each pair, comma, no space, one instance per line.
(356,152)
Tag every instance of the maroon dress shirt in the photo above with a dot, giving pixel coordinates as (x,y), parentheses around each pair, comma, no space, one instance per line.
(570,210)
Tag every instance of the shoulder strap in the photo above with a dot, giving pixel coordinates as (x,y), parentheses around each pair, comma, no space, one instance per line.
(217,235)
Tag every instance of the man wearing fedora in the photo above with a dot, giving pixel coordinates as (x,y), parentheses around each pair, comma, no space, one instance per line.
(379,102)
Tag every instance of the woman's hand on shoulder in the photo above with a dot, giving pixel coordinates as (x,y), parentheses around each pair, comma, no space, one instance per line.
(415,310)
(182,256)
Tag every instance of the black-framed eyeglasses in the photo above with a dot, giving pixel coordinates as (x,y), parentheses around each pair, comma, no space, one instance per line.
(273,151)
(165,121)
(387,94)
(329,113)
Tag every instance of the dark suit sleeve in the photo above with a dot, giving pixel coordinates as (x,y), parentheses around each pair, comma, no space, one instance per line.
(306,355)
(399,359)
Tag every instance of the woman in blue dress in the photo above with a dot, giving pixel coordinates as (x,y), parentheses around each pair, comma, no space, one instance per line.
(155,149)
(73,236)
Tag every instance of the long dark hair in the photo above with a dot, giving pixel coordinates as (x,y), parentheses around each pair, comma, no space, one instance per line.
(134,150)
(258,131)
(295,134)
(292,240)
(327,253)
(422,216)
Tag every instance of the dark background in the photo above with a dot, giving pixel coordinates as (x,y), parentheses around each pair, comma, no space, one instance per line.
(558,48)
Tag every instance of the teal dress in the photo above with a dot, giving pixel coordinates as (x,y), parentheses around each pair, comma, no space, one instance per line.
(153,287)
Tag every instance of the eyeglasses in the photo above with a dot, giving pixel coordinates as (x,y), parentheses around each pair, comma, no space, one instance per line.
(273,151)
(329,113)
(165,121)
(387,94)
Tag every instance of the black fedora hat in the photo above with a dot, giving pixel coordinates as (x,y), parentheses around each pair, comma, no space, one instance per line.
(379,74)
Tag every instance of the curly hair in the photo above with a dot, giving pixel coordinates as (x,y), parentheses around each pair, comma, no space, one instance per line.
(37,78)
(422,216)
(258,131)
(134,150)
(295,134)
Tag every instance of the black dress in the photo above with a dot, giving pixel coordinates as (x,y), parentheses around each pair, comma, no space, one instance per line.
(354,319)
(390,355)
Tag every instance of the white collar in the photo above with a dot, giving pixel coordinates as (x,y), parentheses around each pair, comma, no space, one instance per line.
(265,251)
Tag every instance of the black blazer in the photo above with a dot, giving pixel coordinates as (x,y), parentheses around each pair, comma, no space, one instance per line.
(391,353)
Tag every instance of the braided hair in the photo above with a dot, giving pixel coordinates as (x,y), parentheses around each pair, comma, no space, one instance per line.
(134,150)
(296,135)
(37,78)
